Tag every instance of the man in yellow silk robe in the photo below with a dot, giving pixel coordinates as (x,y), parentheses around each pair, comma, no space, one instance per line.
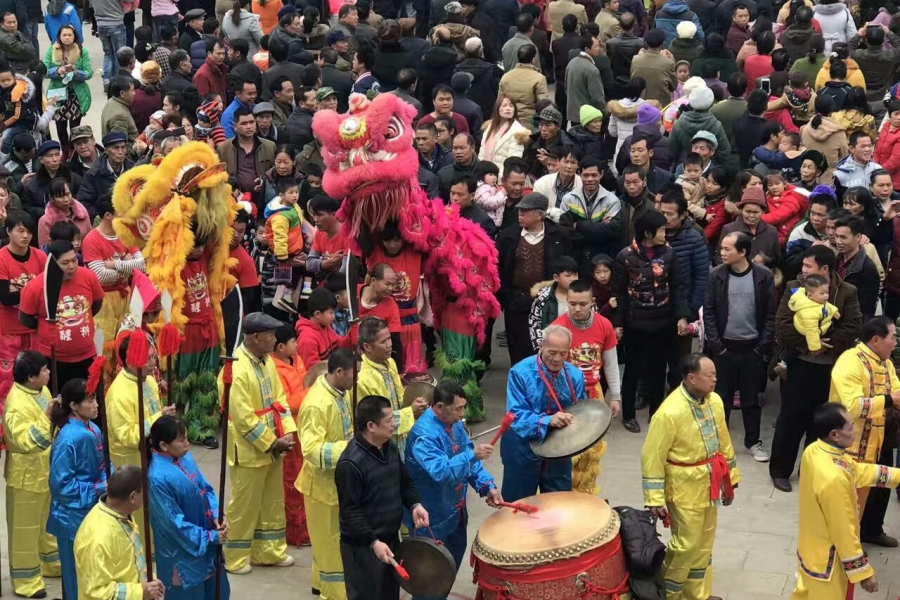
(378,376)
(26,432)
(829,552)
(688,468)
(864,381)
(325,427)
(122,414)
(109,553)
(260,432)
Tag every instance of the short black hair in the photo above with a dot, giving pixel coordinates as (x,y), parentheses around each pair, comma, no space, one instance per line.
(369,328)
(176,58)
(342,358)
(675,195)
(23,142)
(655,38)
(771,128)
(690,364)
(743,243)
(210,24)
(524,22)
(58,248)
(240,45)
(286,183)
(284,334)
(692,158)
(278,50)
(513,165)
(485,167)
(65,231)
(648,224)
(242,216)
(14,218)
(336,283)
(827,418)
(345,10)
(242,111)
(823,255)
(858,135)
(563,264)
(323,203)
(757,102)
(28,364)
(321,300)
(441,89)
(580,286)
(406,78)
(119,84)
(104,205)
(852,222)
(124,481)
(526,54)
(447,391)
(570,23)
(586,42)
(371,408)
(879,326)
(469,180)
(211,44)
(365,56)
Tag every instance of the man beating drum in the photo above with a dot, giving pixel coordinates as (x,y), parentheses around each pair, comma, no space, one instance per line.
(537,390)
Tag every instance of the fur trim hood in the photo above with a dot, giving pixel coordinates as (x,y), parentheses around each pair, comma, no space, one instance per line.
(541,286)
(22,90)
(626,109)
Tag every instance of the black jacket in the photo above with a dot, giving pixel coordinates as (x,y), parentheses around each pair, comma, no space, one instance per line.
(705,11)
(184,85)
(621,51)
(751,137)
(98,180)
(297,52)
(188,37)
(390,58)
(863,275)
(242,71)
(715,309)
(292,71)
(436,68)
(556,245)
(451,172)
(299,127)
(78,167)
(442,159)
(651,294)
(483,21)
(561,47)
(36,192)
(373,486)
(340,81)
(429,182)
(477,215)
(485,83)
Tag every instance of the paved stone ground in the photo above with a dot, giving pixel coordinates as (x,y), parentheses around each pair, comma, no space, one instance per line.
(754,556)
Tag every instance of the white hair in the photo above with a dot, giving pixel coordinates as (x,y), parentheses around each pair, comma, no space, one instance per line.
(557,330)
(474,45)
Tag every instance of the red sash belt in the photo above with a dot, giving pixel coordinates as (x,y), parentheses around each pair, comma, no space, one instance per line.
(276,410)
(719,475)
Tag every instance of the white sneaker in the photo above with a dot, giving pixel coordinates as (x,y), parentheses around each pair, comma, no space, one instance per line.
(758,454)
(289,560)
(245,570)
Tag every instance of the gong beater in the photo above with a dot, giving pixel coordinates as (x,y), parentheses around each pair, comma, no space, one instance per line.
(592,419)
(430,565)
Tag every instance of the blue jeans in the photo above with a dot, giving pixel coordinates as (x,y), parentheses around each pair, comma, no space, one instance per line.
(112,39)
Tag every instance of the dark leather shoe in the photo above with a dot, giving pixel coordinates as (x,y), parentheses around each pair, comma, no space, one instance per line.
(883,540)
(39,594)
(782,485)
(211,442)
(315,592)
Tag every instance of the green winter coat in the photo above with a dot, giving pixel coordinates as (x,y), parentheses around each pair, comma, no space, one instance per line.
(83,72)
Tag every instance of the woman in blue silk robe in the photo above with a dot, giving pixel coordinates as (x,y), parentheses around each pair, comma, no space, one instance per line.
(77,472)
(184,512)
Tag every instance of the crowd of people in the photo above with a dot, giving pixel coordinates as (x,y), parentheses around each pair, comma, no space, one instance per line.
(655,176)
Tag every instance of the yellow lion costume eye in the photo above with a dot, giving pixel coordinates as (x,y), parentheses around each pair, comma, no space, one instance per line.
(156,207)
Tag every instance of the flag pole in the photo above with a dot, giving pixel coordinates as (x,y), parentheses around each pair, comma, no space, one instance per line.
(145,468)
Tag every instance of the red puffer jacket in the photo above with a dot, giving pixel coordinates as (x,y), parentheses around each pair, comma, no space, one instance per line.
(785,212)
(887,152)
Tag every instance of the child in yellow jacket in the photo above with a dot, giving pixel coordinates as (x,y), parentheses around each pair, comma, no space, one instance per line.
(813,312)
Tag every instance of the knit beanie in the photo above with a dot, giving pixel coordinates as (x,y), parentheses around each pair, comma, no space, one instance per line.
(588,113)
(692,84)
(701,99)
(647,113)
(686,30)
(753,195)
(823,190)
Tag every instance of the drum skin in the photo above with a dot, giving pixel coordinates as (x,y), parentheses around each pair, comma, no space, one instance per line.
(569,549)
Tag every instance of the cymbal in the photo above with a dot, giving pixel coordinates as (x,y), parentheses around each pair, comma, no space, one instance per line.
(431,567)
(592,419)
(418,389)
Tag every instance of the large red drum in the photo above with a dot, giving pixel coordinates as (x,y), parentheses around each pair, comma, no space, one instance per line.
(569,549)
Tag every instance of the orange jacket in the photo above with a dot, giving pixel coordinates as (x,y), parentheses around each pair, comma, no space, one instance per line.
(291,376)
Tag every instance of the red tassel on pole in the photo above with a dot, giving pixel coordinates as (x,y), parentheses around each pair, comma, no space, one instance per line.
(169,340)
(95,372)
(138,350)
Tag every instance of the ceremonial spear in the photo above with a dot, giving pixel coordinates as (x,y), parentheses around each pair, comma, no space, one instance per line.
(168,343)
(53,280)
(95,385)
(232,315)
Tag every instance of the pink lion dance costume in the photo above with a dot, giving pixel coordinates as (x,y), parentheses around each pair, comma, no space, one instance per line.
(372,165)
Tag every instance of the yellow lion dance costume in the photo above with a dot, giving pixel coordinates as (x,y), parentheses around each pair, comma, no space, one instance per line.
(183,207)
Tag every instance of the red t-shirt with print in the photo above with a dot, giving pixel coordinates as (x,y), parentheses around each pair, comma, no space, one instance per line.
(74,328)
(588,346)
(197,304)
(245,269)
(18,272)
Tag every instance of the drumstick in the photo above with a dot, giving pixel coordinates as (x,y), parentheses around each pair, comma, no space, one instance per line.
(528,509)
(508,419)
(404,575)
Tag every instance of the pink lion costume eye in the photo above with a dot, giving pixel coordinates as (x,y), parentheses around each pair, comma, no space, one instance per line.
(370,146)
